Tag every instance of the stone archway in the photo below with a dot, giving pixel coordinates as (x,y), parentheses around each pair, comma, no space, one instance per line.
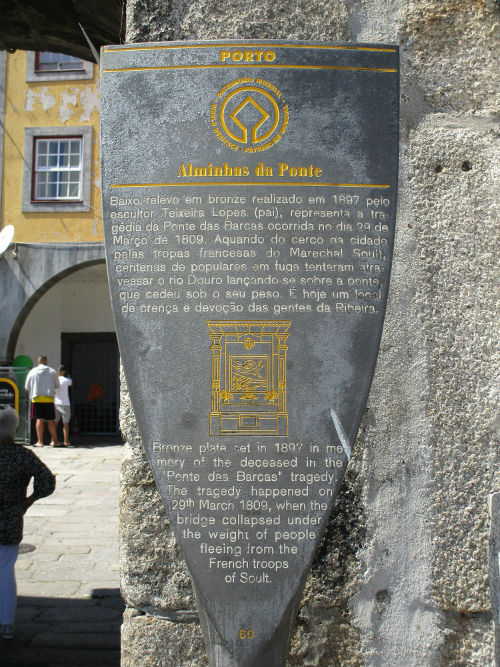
(27,274)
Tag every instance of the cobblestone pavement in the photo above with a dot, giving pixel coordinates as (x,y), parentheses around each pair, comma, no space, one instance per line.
(69,606)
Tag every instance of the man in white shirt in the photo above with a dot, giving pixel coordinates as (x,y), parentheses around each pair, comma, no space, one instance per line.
(41,383)
(62,403)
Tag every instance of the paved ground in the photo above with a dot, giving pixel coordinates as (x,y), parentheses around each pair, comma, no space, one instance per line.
(69,606)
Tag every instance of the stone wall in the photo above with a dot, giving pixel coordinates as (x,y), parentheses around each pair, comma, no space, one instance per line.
(28,274)
(401,578)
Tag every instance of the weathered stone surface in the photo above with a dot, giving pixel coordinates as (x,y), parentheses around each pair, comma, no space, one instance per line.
(456,228)
(453,49)
(425,556)
(152,572)
(324,634)
(469,640)
(302,19)
(494,570)
(142,635)
(392,608)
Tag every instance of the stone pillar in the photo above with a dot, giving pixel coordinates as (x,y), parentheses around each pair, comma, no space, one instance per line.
(494,571)
(401,577)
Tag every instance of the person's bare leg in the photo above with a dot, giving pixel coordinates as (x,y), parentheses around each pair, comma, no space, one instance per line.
(67,443)
(53,433)
(40,430)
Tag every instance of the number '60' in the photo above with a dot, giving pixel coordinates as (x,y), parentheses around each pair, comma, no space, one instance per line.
(246,634)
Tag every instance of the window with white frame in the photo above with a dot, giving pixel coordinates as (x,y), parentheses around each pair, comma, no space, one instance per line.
(57,173)
(48,66)
(46,61)
(57,169)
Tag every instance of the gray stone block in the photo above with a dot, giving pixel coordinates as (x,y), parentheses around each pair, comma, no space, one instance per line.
(455,226)
(304,19)
(153,573)
(143,635)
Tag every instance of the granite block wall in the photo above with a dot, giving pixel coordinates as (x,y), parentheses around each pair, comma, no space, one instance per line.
(401,578)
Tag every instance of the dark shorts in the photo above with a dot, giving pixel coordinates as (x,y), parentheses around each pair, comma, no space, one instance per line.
(43,411)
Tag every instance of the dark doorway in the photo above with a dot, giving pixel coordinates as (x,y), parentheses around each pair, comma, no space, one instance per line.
(92,361)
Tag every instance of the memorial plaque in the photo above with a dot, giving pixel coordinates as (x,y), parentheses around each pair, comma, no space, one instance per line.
(249,197)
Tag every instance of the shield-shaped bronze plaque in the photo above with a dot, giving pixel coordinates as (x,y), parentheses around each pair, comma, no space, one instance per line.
(249,197)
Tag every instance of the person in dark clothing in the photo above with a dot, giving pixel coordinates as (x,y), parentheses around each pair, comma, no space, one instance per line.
(17,466)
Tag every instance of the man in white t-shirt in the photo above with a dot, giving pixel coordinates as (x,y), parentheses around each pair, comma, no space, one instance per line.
(62,403)
(41,383)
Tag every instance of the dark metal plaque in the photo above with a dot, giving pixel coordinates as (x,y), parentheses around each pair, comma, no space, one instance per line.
(9,393)
(249,196)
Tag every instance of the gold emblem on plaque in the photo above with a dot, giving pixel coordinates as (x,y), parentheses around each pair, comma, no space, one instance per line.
(249,114)
(248,377)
